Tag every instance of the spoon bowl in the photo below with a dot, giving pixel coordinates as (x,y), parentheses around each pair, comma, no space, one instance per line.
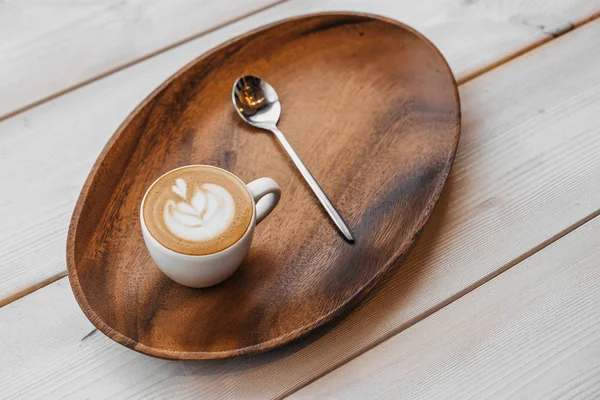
(256,102)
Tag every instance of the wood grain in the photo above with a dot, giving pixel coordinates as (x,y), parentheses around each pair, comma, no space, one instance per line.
(50,47)
(63,137)
(300,273)
(531,333)
(526,171)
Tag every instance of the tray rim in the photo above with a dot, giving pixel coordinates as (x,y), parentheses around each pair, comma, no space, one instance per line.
(399,255)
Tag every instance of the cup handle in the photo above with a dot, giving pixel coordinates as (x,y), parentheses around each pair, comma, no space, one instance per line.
(266,193)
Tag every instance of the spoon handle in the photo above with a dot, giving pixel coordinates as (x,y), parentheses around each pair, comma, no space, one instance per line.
(335,216)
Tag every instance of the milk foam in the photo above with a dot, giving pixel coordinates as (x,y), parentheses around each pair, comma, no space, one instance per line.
(204,213)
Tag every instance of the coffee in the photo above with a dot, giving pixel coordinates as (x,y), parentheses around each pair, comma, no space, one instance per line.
(197,210)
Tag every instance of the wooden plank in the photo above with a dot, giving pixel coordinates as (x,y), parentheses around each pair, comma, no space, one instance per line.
(63,137)
(49,47)
(526,171)
(531,333)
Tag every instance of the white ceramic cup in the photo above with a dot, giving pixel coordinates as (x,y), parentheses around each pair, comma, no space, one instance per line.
(207,270)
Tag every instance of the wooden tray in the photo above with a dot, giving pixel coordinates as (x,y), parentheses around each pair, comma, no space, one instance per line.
(372,108)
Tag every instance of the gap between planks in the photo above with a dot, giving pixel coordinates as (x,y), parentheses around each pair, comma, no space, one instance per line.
(527,49)
(127,65)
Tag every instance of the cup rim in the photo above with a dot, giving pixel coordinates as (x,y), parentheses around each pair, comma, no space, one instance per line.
(248,228)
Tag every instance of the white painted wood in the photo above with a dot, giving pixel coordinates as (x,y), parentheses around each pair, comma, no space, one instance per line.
(62,137)
(526,171)
(50,46)
(533,332)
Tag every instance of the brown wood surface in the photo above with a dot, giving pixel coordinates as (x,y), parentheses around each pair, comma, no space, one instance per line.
(372,108)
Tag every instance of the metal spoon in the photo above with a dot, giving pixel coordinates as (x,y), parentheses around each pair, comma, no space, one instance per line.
(258,104)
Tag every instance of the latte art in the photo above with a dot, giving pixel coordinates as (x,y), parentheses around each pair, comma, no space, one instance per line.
(197,210)
(206,215)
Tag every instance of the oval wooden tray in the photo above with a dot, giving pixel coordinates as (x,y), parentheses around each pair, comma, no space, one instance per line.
(372,108)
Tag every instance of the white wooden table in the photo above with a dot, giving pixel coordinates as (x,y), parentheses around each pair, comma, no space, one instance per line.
(499,299)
